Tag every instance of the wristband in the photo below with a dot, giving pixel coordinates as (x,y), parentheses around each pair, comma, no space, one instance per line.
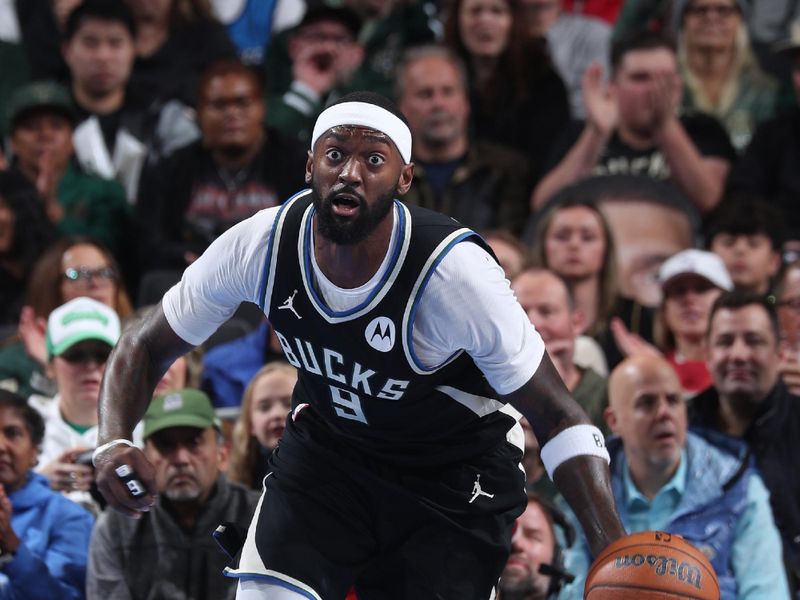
(573,441)
(100,449)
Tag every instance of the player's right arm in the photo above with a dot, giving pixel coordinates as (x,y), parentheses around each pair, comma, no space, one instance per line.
(210,291)
(584,479)
(143,354)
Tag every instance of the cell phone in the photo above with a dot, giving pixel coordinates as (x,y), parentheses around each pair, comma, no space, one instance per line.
(85,458)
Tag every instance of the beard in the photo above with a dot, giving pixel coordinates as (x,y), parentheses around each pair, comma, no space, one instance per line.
(522,588)
(348,231)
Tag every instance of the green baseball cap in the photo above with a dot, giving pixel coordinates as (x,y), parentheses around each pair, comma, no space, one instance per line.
(182,408)
(39,95)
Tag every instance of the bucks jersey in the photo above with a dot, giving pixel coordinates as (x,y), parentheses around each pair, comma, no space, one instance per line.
(358,368)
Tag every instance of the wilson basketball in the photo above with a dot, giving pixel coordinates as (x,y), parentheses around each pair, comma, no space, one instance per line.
(651,565)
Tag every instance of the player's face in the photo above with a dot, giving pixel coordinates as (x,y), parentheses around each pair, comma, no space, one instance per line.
(743,353)
(687,304)
(531,546)
(750,259)
(100,56)
(272,400)
(485,26)
(231,114)
(187,461)
(545,299)
(575,244)
(17,452)
(355,173)
(649,414)
(435,102)
(636,84)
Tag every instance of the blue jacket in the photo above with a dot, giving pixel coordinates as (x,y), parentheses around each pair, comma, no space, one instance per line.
(228,368)
(54,533)
(706,514)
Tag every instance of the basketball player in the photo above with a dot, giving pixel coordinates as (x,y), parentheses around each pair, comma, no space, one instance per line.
(398,469)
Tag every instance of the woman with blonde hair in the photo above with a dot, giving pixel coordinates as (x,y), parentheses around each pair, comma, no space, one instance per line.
(574,240)
(265,405)
(720,72)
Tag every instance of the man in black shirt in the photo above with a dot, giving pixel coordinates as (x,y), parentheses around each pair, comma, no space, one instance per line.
(238,168)
(632,128)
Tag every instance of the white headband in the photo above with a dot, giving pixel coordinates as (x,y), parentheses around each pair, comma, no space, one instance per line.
(363,114)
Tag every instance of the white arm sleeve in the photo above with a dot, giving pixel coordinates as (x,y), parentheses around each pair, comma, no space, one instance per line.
(227,274)
(469,305)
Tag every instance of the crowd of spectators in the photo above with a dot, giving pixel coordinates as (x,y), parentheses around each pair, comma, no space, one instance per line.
(632,163)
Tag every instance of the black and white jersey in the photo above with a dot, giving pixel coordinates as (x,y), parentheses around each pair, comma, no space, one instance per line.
(358,367)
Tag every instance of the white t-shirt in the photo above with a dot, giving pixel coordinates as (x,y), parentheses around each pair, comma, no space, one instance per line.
(467,304)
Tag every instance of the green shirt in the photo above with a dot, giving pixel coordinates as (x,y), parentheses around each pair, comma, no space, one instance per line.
(93,206)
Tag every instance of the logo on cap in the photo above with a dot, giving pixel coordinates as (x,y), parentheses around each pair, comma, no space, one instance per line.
(173,402)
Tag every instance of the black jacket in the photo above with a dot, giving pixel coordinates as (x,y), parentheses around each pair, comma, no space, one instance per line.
(774,439)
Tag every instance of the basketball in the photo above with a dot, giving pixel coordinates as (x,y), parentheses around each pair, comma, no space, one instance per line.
(651,565)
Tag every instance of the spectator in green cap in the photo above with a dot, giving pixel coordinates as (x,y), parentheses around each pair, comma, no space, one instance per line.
(79,338)
(169,552)
(40,119)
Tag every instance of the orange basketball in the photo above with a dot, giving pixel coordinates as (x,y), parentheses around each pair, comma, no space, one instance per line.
(651,565)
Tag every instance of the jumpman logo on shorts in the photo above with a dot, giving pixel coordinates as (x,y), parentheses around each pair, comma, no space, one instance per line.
(477,491)
(289,304)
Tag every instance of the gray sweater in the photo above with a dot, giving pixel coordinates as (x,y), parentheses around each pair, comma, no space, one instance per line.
(152,558)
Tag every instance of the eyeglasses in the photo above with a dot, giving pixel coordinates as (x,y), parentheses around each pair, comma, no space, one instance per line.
(705,10)
(85,275)
(81,356)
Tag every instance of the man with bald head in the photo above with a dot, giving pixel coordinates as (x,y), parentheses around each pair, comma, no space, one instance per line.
(666,478)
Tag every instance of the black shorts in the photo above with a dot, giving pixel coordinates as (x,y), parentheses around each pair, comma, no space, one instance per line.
(329,519)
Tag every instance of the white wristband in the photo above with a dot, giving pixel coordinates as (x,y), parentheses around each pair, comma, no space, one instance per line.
(573,441)
(100,449)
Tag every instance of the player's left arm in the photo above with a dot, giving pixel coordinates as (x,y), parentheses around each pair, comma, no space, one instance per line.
(584,479)
(475,310)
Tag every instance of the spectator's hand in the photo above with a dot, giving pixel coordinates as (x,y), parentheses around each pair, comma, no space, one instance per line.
(3,161)
(47,186)
(789,369)
(65,475)
(348,61)
(31,331)
(315,66)
(61,10)
(602,112)
(113,487)
(9,541)
(665,97)
(631,344)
